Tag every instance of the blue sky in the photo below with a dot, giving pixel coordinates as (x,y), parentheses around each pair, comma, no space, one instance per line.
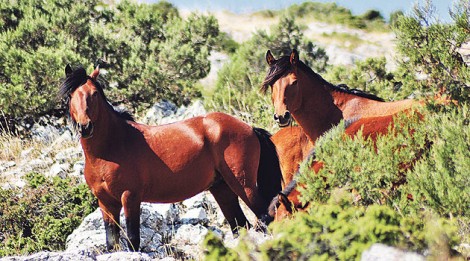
(357,6)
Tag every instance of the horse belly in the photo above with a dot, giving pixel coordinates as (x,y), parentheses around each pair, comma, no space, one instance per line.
(180,173)
(175,186)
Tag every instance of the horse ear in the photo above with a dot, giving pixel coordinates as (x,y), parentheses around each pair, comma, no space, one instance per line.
(68,70)
(294,57)
(95,73)
(270,58)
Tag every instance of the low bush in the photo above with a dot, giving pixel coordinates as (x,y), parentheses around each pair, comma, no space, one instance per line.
(41,215)
(152,52)
(408,191)
(337,230)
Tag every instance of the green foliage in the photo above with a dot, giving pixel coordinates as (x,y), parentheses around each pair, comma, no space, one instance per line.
(239,81)
(428,57)
(437,150)
(430,49)
(332,13)
(41,215)
(337,230)
(371,170)
(369,75)
(440,181)
(394,16)
(152,52)
(226,43)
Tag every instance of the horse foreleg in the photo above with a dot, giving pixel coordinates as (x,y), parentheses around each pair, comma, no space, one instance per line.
(228,203)
(110,214)
(131,204)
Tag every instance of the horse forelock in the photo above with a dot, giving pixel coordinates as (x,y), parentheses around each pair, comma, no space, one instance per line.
(75,79)
(278,69)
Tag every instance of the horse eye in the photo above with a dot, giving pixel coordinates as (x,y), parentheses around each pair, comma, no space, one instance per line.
(294,82)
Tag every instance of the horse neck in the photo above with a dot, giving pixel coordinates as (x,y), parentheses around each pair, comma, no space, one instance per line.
(317,112)
(106,133)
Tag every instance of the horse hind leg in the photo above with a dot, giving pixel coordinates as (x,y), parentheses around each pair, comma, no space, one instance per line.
(228,203)
(243,184)
(131,204)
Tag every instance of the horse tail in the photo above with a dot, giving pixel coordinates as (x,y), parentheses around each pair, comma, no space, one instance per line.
(269,170)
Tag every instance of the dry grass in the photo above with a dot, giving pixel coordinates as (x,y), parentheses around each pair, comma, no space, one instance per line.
(11,147)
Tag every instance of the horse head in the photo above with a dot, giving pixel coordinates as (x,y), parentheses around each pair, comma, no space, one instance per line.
(285,91)
(285,204)
(83,98)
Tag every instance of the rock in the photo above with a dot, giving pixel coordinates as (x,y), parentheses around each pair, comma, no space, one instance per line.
(165,112)
(124,256)
(4,165)
(170,212)
(252,235)
(195,216)
(37,165)
(81,255)
(58,169)
(44,134)
(159,110)
(89,235)
(190,234)
(195,202)
(188,239)
(77,169)
(386,253)
(153,228)
(68,154)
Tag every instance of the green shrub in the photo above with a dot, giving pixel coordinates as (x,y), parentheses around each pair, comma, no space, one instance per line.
(41,215)
(437,153)
(339,231)
(152,52)
(356,164)
(335,14)
(369,75)
(431,49)
(440,180)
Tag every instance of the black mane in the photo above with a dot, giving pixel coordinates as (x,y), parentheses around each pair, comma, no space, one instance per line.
(77,78)
(282,66)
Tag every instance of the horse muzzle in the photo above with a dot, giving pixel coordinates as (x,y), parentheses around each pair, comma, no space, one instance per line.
(283,120)
(85,130)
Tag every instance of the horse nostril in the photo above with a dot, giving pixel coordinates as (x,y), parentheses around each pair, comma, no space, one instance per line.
(85,130)
(276,117)
(287,115)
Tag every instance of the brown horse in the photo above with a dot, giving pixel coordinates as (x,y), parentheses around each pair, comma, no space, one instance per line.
(292,146)
(288,200)
(316,104)
(127,163)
